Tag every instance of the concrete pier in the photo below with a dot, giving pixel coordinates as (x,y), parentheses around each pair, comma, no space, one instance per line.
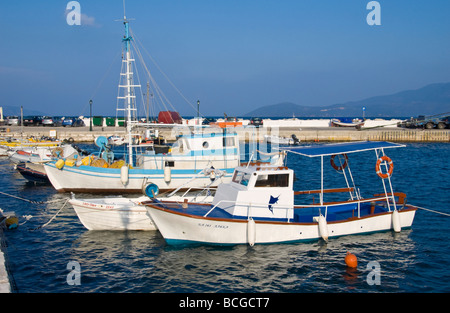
(247,133)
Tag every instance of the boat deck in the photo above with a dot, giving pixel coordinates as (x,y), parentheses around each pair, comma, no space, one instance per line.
(301,214)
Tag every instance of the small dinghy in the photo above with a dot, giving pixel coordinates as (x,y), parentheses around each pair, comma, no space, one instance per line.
(347,122)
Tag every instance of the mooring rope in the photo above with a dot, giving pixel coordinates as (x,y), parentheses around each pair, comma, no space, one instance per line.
(442,213)
(30,201)
(53,217)
(28,217)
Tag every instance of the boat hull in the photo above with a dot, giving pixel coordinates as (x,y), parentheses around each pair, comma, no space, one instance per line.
(32,172)
(108,180)
(112,214)
(198,229)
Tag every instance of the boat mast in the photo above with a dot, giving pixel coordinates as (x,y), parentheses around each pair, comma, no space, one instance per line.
(129,94)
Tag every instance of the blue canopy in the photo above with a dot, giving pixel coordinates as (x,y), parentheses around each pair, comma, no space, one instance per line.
(340,148)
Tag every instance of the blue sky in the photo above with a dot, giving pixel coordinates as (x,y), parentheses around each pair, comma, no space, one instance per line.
(233,55)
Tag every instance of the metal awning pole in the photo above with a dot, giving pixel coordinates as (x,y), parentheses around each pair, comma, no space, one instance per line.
(321,180)
(384,184)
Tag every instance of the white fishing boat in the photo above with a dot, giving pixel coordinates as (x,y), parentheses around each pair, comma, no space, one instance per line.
(29,160)
(8,145)
(193,151)
(257,206)
(347,122)
(39,154)
(284,141)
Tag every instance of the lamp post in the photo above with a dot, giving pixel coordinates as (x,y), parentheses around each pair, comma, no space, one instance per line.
(198,112)
(198,108)
(90,118)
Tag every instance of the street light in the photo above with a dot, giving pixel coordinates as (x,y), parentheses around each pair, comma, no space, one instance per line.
(90,118)
(198,108)
(198,112)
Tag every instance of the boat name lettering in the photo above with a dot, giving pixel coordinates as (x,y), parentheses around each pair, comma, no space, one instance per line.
(214,226)
(96,205)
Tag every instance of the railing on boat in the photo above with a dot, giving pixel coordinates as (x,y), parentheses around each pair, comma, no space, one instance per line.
(377,198)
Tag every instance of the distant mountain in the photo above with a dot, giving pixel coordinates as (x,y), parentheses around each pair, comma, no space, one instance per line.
(429,100)
(13,110)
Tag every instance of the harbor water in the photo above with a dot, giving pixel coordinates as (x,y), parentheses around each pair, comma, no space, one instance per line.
(63,257)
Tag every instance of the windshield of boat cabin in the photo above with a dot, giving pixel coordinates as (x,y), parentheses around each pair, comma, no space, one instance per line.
(241,178)
(262,180)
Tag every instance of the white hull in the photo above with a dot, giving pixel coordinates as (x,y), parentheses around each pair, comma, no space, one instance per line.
(280,140)
(91,179)
(191,228)
(118,213)
(338,123)
(112,214)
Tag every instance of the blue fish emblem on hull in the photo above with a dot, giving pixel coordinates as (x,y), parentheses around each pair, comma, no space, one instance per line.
(273,200)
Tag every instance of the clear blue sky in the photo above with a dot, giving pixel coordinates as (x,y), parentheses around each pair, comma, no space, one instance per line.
(233,55)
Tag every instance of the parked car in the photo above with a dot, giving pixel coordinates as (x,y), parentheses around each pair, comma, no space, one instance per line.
(256,121)
(67,121)
(29,120)
(57,121)
(444,122)
(47,121)
(77,122)
(208,120)
(12,120)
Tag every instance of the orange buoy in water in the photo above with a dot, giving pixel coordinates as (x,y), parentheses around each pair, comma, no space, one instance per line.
(351,260)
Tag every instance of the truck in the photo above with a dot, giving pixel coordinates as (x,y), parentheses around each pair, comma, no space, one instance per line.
(440,121)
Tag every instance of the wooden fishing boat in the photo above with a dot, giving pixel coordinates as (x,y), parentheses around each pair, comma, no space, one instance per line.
(257,206)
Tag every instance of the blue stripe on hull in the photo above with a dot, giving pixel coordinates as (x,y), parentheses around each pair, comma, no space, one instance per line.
(115,173)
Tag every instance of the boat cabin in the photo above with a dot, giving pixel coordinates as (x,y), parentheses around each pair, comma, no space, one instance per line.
(258,190)
(204,143)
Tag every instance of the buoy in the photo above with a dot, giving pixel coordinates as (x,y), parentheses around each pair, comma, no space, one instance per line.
(251,232)
(351,260)
(124,174)
(323,228)
(151,190)
(59,164)
(396,221)
(12,222)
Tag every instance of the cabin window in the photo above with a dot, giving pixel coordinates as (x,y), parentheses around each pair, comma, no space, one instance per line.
(205,145)
(272,180)
(241,178)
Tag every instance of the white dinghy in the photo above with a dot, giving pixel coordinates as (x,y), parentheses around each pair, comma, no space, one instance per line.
(123,213)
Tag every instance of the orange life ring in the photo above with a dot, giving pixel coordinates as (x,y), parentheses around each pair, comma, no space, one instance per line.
(390,170)
(342,166)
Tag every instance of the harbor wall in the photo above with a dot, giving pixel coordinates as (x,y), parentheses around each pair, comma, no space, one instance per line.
(247,133)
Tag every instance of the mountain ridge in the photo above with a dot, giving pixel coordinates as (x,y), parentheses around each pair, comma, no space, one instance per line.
(428,100)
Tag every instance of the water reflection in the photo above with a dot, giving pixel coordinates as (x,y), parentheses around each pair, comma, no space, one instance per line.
(310,267)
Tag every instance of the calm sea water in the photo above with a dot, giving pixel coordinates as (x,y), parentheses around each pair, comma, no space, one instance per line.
(415,260)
